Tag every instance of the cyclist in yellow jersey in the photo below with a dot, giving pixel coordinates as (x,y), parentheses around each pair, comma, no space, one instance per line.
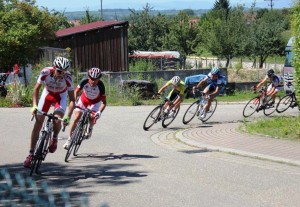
(175,96)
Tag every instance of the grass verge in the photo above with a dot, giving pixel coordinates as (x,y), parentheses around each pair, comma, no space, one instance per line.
(284,127)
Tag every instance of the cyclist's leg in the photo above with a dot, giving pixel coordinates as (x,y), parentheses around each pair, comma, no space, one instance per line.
(178,100)
(167,106)
(95,108)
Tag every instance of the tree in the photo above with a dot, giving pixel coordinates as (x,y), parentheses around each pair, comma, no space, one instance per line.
(23,29)
(182,36)
(265,33)
(224,36)
(146,32)
(88,18)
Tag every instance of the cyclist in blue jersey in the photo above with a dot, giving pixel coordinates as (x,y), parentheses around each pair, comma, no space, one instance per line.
(214,82)
(275,85)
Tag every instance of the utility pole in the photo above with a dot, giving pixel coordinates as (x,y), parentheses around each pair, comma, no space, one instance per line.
(101,9)
(271,4)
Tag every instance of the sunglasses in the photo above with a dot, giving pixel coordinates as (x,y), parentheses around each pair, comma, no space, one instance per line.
(60,71)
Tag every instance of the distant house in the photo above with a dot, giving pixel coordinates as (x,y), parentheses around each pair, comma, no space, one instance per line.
(102,44)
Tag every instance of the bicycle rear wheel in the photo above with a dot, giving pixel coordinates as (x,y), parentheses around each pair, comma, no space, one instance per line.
(152,118)
(211,110)
(167,120)
(74,138)
(251,107)
(270,107)
(284,103)
(191,112)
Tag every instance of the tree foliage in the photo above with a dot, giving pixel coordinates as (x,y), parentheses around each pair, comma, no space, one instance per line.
(296,47)
(23,29)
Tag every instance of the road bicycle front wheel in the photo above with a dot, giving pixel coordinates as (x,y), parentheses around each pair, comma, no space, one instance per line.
(191,112)
(167,120)
(251,107)
(211,110)
(270,107)
(152,118)
(38,154)
(74,137)
(284,103)
(80,139)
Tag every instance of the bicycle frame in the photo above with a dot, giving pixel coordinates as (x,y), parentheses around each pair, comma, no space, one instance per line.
(78,134)
(41,148)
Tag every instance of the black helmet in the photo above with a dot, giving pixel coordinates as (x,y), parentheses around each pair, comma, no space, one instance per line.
(270,73)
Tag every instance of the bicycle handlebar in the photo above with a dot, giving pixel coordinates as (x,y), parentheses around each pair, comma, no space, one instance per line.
(51,116)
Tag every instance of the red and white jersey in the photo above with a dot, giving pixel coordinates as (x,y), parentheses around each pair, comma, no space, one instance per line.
(55,86)
(92,94)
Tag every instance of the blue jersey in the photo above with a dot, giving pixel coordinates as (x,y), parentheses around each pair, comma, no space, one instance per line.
(220,81)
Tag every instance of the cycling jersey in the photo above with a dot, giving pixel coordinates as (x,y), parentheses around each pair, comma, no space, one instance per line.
(92,94)
(55,86)
(55,91)
(276,81)
(181,89)
(212,84)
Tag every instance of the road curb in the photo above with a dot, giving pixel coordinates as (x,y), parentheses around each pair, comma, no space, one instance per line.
(183,139)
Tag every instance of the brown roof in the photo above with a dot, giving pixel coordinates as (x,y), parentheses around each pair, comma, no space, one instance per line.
(86,27)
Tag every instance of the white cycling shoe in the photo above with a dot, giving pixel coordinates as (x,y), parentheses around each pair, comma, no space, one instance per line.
(67,144)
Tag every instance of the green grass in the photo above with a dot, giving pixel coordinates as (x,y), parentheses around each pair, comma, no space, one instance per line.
(278,127)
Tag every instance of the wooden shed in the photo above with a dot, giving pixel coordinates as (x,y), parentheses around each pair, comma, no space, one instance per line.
(102,44)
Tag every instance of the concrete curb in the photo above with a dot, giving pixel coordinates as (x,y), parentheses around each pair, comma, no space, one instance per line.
(179,136)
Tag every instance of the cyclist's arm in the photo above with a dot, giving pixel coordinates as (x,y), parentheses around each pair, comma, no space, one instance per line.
(162,89)
(201,82)
(72,102)
(262,82)
(215,91)
(35,95)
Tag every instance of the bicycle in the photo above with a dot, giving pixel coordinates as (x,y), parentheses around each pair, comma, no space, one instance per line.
(286,102)
(158,114)
(79,133)
(196,107)
(42,145)
(260,102)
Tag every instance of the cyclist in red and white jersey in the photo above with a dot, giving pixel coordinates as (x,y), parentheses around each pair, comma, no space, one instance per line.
(92,97)
(58,86)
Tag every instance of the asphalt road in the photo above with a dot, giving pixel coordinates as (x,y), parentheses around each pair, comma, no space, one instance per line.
(122,166)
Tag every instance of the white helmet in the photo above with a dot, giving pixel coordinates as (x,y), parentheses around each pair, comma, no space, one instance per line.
(175,80)
(61,63)
(94,73)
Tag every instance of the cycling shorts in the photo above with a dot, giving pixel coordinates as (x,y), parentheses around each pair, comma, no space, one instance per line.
(84,104)
(47,99)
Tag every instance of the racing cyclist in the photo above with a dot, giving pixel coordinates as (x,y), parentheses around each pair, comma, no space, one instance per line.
(92,97)
(214,83)
(175,96)
(58,85)
(274,87)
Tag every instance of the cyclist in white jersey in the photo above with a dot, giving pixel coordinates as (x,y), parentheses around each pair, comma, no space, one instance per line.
(58,85)
(275,84)
(92,97)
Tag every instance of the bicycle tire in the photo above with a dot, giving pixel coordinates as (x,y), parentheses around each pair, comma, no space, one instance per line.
(152,118)
(191,110)
(80,139)
(38,154)
(284,103)
(251,107)
(211,110)
(73,141)
(168,120)
(271,108)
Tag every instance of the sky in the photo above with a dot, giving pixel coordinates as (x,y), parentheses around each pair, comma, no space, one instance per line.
(93,5)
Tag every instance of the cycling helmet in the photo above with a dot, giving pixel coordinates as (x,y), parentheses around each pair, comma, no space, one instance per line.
(94,73)
(61,63)
(215,71)
(175,80)
(270,73)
